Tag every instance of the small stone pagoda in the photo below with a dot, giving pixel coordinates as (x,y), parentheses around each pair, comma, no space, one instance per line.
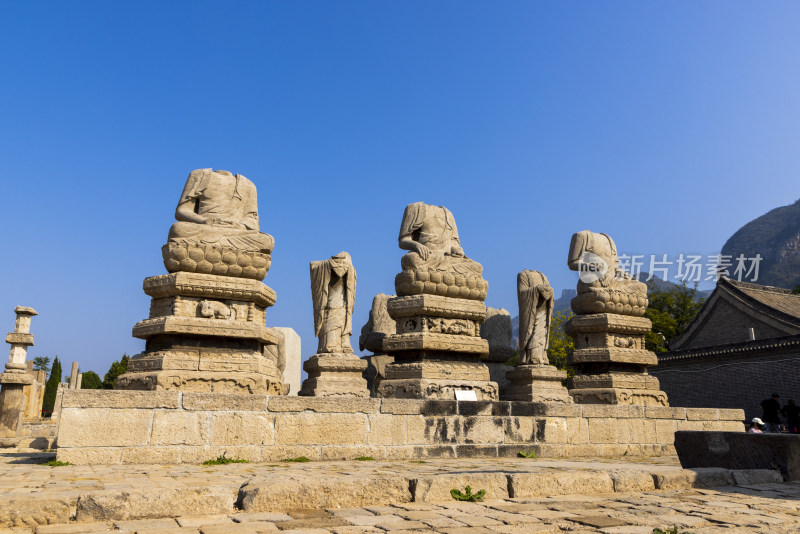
(438,311)
(207,327)
(15,379)
(609,329)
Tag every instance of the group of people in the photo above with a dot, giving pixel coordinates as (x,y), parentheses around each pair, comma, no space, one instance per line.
(770,420)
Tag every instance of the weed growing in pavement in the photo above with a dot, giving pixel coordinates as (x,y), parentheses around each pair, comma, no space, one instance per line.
(222,460)
(523,454)
(467,495)
(365,459)
(56,463)
(673,530)
(299,459)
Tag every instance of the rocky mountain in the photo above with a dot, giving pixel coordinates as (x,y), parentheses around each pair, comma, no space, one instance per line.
(776,237)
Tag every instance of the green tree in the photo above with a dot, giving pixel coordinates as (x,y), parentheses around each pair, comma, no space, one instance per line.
(561,345)
(117,368)
(670,310)
(41,363)
(91,380)
(51,387)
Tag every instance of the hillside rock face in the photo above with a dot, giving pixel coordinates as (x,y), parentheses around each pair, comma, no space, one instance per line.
(776,236)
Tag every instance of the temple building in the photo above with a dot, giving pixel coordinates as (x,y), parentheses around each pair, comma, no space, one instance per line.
(743,346)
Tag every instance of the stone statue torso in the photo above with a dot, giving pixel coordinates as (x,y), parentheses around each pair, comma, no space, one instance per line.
(219,198)
(434,232)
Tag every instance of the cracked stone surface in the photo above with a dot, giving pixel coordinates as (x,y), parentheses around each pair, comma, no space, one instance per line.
(207,500)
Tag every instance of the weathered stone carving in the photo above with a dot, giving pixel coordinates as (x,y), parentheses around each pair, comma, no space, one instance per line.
(435,263)
(379,325)
(217,229)
(609,329)
(535,312)
(206,330)
(497,330)
(334,370)
(333,292)
(438,313)
(14,379)
(603,287)
(216,310)
(534,379)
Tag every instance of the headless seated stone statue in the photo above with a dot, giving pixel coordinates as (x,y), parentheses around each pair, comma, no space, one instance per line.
(217,228)
(603,287)
(217,207)
(436,261)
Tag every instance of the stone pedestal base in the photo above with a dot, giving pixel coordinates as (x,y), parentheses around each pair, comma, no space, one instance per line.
(437,349)
(206,333)
(612,361)
(537,383)
(437,379)
(202,382)
(641,397)
(335,375)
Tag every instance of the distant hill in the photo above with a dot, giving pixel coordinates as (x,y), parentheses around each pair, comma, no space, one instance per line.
(776,236)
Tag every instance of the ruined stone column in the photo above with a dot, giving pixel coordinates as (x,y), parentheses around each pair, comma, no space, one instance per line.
(12,382)
(73,376)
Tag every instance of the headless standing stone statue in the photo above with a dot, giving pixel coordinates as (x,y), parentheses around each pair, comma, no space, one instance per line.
(535,380)
(334,370)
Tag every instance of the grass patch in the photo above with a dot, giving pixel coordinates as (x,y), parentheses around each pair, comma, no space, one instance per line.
(56,463)
(523,454)
(418,461)
(673,530)
(299,459)
(468,495)
(223,460)
(365,459)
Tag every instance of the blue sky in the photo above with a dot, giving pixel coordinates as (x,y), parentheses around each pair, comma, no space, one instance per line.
(666,125)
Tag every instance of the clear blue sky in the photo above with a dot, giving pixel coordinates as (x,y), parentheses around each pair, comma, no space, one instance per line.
(665,124)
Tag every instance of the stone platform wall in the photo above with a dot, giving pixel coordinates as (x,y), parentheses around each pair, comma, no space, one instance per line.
(112,427)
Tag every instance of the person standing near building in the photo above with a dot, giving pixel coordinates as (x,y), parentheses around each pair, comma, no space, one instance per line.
(772,413)
(792,414)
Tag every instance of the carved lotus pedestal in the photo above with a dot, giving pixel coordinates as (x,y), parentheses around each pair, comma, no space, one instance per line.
(335,375)
(437,349)
(612,361)
(206,333)
(537,383)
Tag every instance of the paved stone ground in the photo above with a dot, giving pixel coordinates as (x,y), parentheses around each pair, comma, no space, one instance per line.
(191,499)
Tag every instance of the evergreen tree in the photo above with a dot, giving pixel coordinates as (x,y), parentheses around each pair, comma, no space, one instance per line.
(41,363)
(91,380)
(117,368)
(51,387)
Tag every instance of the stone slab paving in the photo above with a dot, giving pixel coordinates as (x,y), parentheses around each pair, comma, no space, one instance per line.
(540,496)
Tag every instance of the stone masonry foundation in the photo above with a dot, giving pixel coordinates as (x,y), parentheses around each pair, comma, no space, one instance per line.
(121,427)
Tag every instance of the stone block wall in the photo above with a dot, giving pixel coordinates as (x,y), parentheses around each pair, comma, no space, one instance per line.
(39,434)
(112,427)
(732,381)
